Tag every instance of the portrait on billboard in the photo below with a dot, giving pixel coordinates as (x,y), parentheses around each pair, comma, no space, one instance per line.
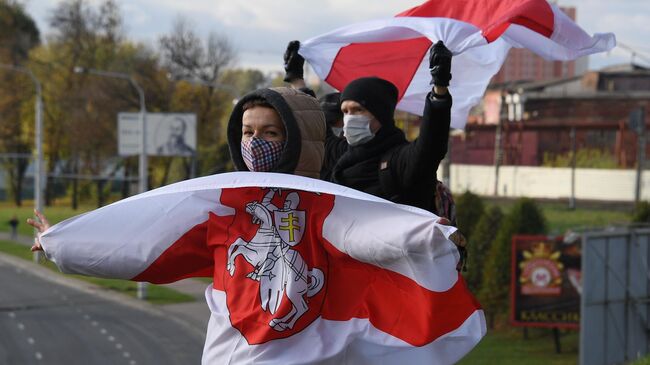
(167,134)
(171,137)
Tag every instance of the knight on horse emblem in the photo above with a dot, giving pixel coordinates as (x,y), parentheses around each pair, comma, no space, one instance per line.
(279,268)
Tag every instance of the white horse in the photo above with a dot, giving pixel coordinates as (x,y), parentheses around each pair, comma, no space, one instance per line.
(279,268)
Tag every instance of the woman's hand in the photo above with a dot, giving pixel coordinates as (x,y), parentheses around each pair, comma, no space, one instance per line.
(457,238)
(41,226)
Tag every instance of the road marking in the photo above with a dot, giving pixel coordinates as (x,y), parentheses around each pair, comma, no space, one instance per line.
(94,323)
(30,340)
(103,331)
(118,346)
(132,362)
(12,315)
(38,356)
(126,354)
(21,326)
(111,338)
(86,316)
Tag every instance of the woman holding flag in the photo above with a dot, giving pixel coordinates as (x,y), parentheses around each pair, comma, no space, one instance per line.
(390,292)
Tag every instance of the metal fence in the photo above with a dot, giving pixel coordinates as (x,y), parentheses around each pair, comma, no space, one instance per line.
(615,306)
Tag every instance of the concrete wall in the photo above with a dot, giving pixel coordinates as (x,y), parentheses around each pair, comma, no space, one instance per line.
(547,182)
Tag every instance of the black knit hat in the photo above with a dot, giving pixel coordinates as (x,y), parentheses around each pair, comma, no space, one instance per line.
(331,105)
(377,95)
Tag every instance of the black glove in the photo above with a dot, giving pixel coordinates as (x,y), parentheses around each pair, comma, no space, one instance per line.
(440,64)
(293,62)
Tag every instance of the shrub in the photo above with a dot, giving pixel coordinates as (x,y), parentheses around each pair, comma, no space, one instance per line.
(477,249)
(641,213)
(525,217)
(585,158)
(469,209)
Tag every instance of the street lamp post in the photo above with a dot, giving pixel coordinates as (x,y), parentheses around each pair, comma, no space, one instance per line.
(143,176)
(38,141)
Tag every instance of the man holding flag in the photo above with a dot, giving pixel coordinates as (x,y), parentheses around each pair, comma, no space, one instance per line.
(375,157)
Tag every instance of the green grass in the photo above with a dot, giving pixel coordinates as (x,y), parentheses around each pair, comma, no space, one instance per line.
(643,361)
(54,214)
(560,218)
(508,346)
(156,294)
(15,249)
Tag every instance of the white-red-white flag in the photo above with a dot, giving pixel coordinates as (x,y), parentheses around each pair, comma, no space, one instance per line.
(304,272)
(479,33)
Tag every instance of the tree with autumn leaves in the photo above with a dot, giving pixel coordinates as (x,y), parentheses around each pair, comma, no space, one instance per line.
(18,37)
(182,73)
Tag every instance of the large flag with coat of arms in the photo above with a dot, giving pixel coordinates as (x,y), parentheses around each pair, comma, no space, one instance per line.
(478,32)
(303,271)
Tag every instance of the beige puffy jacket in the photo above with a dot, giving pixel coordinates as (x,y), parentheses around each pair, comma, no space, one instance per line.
(304,123)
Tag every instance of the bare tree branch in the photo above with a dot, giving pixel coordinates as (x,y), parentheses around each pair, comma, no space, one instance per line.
(187,57)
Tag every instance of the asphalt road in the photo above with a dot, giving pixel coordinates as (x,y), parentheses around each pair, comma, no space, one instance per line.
(45,322)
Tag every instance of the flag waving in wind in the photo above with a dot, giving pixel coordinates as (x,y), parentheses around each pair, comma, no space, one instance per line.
(478,32)
(304,272)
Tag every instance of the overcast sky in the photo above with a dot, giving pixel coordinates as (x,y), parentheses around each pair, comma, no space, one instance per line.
(260,29)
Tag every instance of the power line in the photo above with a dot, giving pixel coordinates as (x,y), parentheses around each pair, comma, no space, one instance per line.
(634,51)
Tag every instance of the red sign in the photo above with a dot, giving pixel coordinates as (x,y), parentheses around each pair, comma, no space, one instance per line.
(545,287)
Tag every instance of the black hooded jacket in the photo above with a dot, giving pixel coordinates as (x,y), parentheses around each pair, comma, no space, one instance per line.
(389,166)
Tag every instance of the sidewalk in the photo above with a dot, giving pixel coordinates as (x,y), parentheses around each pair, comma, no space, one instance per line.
(196,314)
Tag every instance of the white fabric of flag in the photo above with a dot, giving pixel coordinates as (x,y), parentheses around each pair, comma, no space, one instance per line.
(304,271)
(478,32)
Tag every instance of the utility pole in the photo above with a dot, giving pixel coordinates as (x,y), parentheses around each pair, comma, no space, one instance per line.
(572,199)
(38,142)
(637,123)
(143,163)
(506,112)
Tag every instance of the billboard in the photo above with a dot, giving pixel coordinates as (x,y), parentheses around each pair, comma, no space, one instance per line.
(546,282)
(168,134)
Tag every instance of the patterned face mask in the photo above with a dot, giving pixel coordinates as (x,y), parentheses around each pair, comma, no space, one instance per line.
(260,155)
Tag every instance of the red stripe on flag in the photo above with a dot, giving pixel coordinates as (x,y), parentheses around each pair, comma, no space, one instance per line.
(188,257)
(393,303)
(491,16)
(395,61)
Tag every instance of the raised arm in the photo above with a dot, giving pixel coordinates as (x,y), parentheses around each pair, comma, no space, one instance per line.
(140,239)
(420,159)
(293,67)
